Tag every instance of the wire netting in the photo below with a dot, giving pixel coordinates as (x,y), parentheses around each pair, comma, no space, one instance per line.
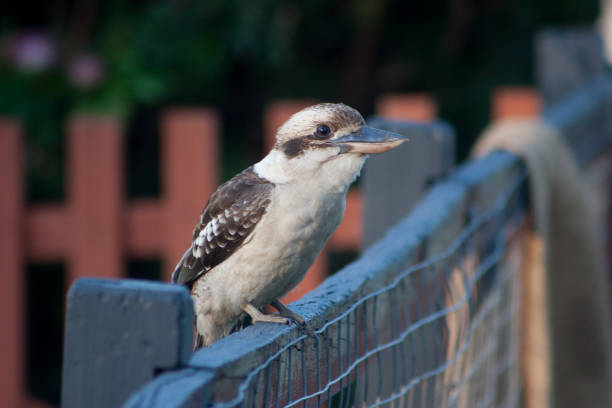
(442,333)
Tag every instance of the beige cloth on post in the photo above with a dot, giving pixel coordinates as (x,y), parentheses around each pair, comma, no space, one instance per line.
(566,334)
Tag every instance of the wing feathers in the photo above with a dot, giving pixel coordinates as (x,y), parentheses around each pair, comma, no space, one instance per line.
(229,218)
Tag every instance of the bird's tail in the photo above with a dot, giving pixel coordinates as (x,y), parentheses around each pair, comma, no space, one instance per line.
(199,342)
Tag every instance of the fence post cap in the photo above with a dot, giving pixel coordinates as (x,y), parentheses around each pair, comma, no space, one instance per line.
(118,334)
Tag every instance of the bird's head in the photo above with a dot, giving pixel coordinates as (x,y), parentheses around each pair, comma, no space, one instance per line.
(327,140)
(334,129)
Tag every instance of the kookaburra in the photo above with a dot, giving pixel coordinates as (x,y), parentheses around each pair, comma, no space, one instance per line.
(260,231)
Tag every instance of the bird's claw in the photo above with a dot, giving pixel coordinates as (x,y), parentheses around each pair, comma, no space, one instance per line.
(302,326)
(306,328)
(285,316)
(294,317)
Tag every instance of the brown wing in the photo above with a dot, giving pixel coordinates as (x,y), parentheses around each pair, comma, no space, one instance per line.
(229,218)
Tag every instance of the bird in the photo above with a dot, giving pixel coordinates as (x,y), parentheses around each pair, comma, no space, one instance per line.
(261,230)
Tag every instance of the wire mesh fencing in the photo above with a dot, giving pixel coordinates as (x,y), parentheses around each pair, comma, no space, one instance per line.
(444,332)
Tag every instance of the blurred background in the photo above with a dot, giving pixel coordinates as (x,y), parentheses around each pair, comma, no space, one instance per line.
(131,60)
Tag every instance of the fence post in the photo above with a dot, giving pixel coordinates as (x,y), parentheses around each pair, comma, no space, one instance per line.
(393,182)
(416,107)
(567,59)
(11,253)
(95,196)
(118,334)
(515,102)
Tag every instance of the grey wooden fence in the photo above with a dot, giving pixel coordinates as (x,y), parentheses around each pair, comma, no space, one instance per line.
(427,316)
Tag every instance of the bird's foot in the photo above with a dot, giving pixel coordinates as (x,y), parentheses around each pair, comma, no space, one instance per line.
(285,311)
(288,313)
(257,316)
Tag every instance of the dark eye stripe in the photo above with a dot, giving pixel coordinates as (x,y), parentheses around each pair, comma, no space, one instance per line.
(295,147)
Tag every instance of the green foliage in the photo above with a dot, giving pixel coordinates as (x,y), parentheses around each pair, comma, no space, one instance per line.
(41,102)
(237,55)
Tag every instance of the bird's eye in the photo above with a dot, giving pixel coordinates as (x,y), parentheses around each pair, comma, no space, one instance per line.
(323,131)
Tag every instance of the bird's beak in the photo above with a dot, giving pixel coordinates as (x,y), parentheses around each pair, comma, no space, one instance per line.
(369,140)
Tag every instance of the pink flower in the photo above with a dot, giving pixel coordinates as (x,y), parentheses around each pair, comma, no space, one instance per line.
(85,71)
(32,51)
